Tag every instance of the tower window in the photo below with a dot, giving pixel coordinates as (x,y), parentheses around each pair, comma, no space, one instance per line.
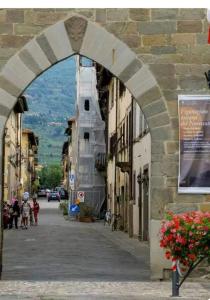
(86,135)
(87,105)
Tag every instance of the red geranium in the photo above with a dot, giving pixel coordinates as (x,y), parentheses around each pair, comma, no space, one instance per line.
(186,236)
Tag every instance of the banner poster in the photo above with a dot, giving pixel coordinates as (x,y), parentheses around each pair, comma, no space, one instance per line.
(194,144)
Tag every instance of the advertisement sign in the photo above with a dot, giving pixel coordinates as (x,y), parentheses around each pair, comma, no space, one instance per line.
(194,144)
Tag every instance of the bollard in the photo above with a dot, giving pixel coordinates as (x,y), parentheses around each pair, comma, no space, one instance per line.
(175,283)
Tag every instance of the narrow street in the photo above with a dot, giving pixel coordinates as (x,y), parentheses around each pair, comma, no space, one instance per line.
(61,259)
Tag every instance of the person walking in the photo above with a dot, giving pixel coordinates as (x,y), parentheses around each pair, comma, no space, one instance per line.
(25,212)
(36,209)
(16,213)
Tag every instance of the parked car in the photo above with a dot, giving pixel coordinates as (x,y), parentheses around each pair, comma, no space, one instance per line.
(41,193)
(53,196)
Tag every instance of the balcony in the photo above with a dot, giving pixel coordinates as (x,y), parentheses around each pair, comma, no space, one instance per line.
(100,161)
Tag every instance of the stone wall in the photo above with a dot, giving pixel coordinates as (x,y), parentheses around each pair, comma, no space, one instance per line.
(169,57)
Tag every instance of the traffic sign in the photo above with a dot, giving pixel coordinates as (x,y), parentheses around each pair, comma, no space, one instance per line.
(81,196)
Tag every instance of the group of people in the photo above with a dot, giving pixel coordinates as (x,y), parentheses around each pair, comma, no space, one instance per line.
(26,211)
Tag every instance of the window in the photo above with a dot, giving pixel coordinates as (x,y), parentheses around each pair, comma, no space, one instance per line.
(86,135)
(87,105)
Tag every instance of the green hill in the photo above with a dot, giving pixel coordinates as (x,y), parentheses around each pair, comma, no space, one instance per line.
(51,101)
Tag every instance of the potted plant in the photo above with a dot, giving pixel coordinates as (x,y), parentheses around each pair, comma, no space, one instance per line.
(86,213)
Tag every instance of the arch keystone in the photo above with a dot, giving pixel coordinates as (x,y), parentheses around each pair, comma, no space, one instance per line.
(76,27)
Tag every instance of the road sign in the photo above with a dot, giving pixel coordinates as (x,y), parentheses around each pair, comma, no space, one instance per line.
(81,196)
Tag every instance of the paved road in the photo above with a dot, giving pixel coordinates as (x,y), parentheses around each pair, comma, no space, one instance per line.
(62,259)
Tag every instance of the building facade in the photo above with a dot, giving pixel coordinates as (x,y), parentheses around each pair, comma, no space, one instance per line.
(13,152)
(30,144)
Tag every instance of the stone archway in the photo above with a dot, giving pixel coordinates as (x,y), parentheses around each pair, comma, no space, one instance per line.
(77,35)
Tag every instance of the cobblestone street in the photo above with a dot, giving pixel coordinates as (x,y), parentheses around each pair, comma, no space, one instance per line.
(63,259)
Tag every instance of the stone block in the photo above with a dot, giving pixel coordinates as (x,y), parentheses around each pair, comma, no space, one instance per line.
(189,198)
(189,26)
(6,53)
(179,208)
(169,168)
(6,28)
(149,96)
(192,14)
(37,54)
(158,262)
(182,69)
(25,29)
(76,28)
(88,13)
(172,181)
(163,50)
(130,70)
(162,70)
(154,108)
(120,28)
(13,41)
(157,147)
(139,14)
(167,82)
(161,133)
(116,56)
(160,197)
(171,147)
(43,17)
(17,72)
(183,39)
(117,14)
(155,40)
(156,169)
(57,36)
(201,38)
(101,15)
(141,82)
(164,14)
(204,207)
(172,58)
(157,181)
(4,110)
(3,14)
(132,40)
(29,61)
(157,27)
(9,87)
(158,120)
(192,82)
(15,16)
(7,100)
(45,46)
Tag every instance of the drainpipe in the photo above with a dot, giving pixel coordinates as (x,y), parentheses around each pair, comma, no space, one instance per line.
(115,169)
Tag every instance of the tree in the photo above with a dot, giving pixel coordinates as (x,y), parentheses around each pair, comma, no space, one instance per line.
(50,176)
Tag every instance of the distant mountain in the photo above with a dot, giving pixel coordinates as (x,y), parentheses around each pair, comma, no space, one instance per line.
(51,101)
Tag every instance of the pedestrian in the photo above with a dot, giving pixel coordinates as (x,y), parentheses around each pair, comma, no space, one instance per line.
(25,212)
(108,217)
(36,209)
(16,213)
(10,210)
(5,216)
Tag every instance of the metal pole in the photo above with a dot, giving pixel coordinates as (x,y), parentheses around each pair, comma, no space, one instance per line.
(175,283)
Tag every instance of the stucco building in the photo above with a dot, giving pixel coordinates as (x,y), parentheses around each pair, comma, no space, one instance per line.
(13,152)
(29,151)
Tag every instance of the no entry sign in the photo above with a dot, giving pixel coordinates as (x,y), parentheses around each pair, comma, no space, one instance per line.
(81,196)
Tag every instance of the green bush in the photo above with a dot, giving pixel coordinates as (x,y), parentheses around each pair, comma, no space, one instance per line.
(85,210)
